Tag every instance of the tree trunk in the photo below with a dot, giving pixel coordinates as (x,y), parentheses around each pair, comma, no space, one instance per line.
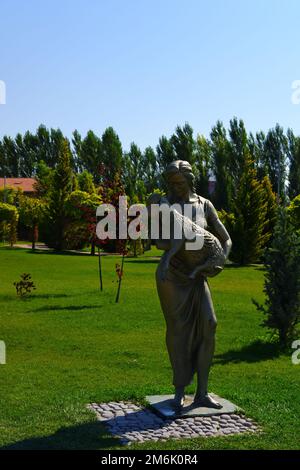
(34,236)
(283,337)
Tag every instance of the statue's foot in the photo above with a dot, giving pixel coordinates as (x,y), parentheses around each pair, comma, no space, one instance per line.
(206,401)
(178,400)
(177,407)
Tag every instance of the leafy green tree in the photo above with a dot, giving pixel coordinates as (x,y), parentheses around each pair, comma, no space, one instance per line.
(275,159)
(282,281)
(150,169)
(44,178)
(31,211)
(20,156)
(3,161)
(165,152)
(85,182)
(183,143)
(112,154)
(80,208)
(9,158)
(202,165)
(77,144)
(8,195)
(134,174)
(26,150)
(180,146)
(8,222)
(48,145)
(272,207)
(238,149)
(56,141)
(29,154)
(90,156)
(256,147)
(43,146)
(110,191)
(294,212)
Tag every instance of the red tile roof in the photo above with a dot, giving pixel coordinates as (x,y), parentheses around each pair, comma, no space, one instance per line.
(26,184)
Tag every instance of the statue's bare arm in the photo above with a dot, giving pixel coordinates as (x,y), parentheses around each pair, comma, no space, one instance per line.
(219,229)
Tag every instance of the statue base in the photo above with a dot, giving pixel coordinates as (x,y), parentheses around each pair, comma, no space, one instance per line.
(163,405)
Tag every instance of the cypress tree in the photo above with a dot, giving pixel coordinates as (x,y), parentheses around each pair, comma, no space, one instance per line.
(247,224)
(282,280)
(61,187)
(272,206)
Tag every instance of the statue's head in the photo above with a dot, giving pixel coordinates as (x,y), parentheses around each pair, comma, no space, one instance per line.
(154,198)
(180,178)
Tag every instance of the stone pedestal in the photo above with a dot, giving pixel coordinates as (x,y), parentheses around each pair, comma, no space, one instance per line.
(163,405)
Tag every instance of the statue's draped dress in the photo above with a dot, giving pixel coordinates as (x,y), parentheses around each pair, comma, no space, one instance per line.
(181,302)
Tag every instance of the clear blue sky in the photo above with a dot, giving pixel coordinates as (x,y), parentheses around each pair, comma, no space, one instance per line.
(144,66)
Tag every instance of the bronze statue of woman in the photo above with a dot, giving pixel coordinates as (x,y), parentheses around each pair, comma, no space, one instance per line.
(186,303)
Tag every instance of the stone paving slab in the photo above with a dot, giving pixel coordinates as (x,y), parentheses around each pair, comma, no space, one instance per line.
(133,423)
(163,405)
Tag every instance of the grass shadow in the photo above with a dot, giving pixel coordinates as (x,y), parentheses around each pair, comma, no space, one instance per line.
(142,261)
(88,436)
(50,296)
(62,253)
(32,296)
(255,352)
(260,268)
(43,251)
(232,265)
(71,308)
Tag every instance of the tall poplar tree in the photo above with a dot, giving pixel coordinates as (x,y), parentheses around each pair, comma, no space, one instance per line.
(294,171)
(221,167)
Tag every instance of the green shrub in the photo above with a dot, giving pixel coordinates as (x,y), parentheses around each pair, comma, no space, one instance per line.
(8,222)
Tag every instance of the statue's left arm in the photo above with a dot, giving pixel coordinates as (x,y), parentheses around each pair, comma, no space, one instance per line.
(219,230)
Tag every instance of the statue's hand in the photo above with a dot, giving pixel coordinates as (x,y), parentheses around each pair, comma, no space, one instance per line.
(214,271)
(206,271)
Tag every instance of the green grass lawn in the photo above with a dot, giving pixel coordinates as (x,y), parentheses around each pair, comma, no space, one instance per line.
(69,345)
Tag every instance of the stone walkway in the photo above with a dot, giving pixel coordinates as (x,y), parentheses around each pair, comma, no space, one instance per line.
(132,423)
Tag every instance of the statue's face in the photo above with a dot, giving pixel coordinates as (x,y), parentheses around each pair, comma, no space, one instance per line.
(178,185)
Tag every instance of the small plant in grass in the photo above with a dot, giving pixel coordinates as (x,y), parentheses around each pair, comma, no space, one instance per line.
(120,269)
(25,286)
